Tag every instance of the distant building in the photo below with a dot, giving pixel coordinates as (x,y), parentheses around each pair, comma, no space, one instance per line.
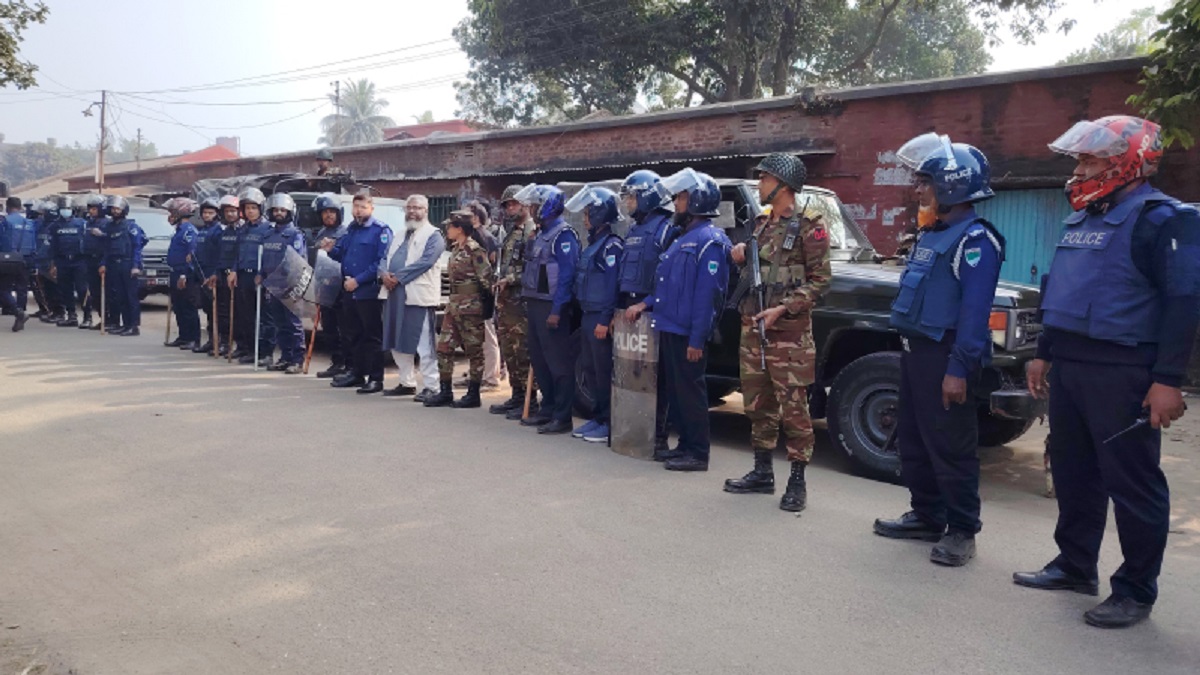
(425,130)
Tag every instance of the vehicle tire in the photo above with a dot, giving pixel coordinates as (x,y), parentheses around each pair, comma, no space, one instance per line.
(863,409)
(995,430)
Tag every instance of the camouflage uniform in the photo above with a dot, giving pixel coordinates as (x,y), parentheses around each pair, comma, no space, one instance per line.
(794,254)
(510,311)
(470,273)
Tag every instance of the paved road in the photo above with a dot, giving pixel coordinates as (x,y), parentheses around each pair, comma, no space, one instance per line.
(163,513)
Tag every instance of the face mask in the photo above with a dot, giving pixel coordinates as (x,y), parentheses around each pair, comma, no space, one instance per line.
(64,213)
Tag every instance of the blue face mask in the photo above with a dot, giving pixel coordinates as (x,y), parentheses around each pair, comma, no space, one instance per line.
(64,213)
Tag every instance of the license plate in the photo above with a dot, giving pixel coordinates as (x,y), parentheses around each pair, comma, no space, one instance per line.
(157,282)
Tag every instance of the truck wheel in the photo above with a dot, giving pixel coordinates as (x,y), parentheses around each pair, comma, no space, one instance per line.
(863,409)
(995,430)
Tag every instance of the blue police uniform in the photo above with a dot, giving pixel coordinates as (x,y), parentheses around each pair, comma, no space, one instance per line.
(181,254)
(67,237)
(548,288)
(280,326)
(597,283)
(331,317)
(689,293)
(1120,313)
(93,252)
(8,282)
(206,264)
(942,310)
(123,255)
(21,235)
(226,245)
(43,259)
(245,265)
(361,250)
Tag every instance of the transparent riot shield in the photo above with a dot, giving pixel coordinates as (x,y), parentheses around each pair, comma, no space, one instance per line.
(634,387)
(291,283)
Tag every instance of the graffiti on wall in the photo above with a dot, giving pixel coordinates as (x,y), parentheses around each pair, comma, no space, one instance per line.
(890,171)
(891,215)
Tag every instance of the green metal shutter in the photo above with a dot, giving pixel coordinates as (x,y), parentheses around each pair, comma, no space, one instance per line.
(1031,222)
(440,208)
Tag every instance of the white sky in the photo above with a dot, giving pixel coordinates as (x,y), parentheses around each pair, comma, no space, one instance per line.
(170,45)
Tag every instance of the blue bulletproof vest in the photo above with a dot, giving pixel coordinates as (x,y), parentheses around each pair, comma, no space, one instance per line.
(540,277)
(68,236)
(1094,288)
(589,275)
(275,245)
(207,250)
(227,248)
(930,295)
(93,245)
(252,236)
(120,239)
(45,244)
(23,233)
(181,242)
(642,249)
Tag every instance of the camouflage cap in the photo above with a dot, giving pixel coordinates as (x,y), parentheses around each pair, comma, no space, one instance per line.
(510,193)
(325,154)
(462,218)
(787,168)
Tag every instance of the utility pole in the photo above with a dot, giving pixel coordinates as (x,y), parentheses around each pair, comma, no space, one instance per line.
(337,106)
(137,155)
(103,139)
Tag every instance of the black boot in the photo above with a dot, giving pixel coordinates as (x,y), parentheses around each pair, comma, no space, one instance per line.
(517,400)
(19,324)
(68,321)
(518,412)
(795,497)
(761,479)
(332,371)
(471,400)
(86,323)
(443,398)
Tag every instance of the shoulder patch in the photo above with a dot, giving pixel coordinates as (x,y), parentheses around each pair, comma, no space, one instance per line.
(973,256)
(385,236)
(610,260)
(820,233)
(713,267)
(565,246)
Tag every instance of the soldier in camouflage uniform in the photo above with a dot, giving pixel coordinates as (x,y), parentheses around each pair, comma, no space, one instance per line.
(462,326)
(794,259)
(512,327)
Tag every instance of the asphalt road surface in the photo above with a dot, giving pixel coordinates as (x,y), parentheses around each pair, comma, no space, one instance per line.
(165,513)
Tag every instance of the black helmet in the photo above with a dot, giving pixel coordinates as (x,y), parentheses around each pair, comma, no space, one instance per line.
(325,154)
(281,200)
(95,200)
(510,193)
(116,202)
(789,169)
(327,201)
(252,195)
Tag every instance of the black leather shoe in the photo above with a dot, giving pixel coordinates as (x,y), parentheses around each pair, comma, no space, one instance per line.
(954,550)
(909,526)
(425,394)
(685,464)
(517,413)
(1053,578)
(69,322)
(761,480)
(555,427)
(190,346)
(332,371)
(400,390)
(131,332)
(1117,612)
(535,419)
(517,400)
(347,382)
(239,353)
(205,348)
(19,324)
(371,387)
(175,343)
(666,454)
(444,397)
(278,366)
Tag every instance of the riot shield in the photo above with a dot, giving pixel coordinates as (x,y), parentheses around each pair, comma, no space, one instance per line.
(292,284)
(327,280)
(634,387)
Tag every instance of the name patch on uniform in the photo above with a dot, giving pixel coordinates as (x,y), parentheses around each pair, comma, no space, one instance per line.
(973,256)
(1094,240)
(566,247)
(789,242)
(713,267)
(922,255)
(610,260)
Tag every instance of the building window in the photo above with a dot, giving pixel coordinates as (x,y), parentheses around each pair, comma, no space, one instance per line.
(440,208)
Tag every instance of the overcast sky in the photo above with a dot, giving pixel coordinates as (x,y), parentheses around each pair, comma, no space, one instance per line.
(193,45)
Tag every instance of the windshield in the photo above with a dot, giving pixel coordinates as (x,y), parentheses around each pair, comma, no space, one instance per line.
(153,222)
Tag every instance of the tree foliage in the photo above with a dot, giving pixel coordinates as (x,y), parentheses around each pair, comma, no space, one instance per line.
(1134,36)
(1172,80)
(538,61)
(15,17)
(27,162)
(360,120)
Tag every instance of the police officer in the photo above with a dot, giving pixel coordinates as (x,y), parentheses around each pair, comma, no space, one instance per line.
(689,293)
(1120,316)
(181,255)
(942,311)
(547,286)
(360,251)
(280,326)
(243,281)
(794,260)
(94,244)
(205,263)
(50,303)
(649,236)
(122,265)
(331,214)
(470,275)
(69,269)
(512,327)
(224,283)
(15,237)
(596,284)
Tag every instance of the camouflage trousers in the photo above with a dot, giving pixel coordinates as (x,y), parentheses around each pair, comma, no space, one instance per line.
(460,330)
(778,398)
(513,333)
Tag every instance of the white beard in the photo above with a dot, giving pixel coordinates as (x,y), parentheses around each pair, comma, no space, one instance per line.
(413,225)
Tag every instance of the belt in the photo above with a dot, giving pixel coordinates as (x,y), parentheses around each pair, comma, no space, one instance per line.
(469,288)
(247,271)
(69,258)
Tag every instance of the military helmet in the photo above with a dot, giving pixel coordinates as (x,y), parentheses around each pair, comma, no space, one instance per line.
(252,195)
(325,154)
(116,202)
(789,169)
(510,194)
(281,200)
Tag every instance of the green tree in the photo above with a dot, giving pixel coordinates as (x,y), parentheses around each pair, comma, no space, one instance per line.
(361,119)
(424,118)
(1172,80)
(27,162)
(1134,36)
(15,17)
(541,60)
(127,150)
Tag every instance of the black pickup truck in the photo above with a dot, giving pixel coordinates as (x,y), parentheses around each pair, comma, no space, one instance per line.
(858,355)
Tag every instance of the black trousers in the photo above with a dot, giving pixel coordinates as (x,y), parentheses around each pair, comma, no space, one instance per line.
(244,311)
(331,329)
(93,282)
(363,330)
(72,282)
(183,305)
(1090,403)
(684,386)
(938,460)
(8,299)
(224,304)
(206,304)
(553,358)
(597,360)
(20,287)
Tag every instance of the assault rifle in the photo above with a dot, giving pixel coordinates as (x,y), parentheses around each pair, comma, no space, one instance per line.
(760,294)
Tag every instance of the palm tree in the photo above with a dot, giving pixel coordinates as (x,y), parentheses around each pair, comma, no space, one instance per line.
(360,119)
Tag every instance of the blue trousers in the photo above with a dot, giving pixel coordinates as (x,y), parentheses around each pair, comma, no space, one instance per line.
(93,279)
(684,386)
(283,329)
(1090,403)
(123,292)
(553,359)
(72,281)
(183,305)
(597,361)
